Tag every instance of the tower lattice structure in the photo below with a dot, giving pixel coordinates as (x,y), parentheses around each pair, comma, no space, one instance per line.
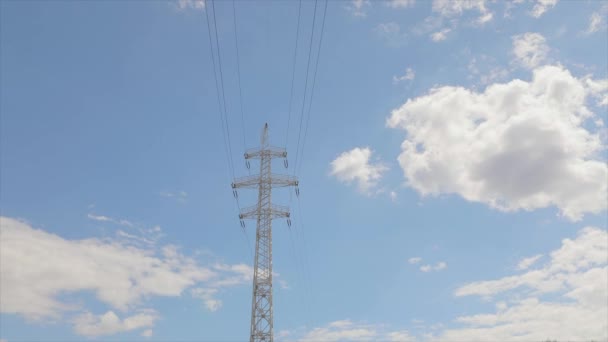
(264,212)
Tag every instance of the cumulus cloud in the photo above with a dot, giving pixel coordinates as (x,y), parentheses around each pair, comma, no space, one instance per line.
(452,8)
(109,323)
(518,145)
(530,49)
(408,76)
(575,276)
(347,330)
(39,270)
(541,6)
(355,166)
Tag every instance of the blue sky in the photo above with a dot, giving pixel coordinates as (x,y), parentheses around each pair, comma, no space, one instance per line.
(453,175)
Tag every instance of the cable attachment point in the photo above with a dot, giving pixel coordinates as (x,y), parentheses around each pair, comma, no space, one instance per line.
(286,163)
(298,191)
(247,164)
(288,222)
(235,194)
(242,224)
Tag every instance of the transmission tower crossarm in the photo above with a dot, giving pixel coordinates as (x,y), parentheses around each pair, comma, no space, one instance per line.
(266,151)
(276,180)
(275,211)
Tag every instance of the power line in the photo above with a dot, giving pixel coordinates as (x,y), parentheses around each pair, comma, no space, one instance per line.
(219,57)
(314,81)
(219,102)
(293,73)
(305,85)
(238,68)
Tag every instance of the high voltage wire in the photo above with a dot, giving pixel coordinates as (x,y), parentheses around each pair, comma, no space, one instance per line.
(219,101)
(314,81)
(238,68)
(293,73)
(314,17)
(219,56)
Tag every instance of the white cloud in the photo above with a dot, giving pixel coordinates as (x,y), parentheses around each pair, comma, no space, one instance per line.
(440,35)
(38,267)
(414,260)
(485,18)
(486,69)
(102,218)
(575,277)
(401,3)
(518,145)
(408,76)
(388,28)
(391,33)
(191,4)
(525,263)
(400,336)
(597,20)
(438,267)
(542,6)
(180,196)
(530,49)
(358,7)
(393,196)
(109,323)
(355,166)
(147,333)
(346,330)
(457,7)
(452,8)
(207,295)
(426,268)
(598,89)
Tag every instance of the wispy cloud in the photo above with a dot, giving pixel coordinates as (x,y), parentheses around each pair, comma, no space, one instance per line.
(190,4)
(414,260)
(358,8)
(440,35)
(542,6)
(347,330)
(102,218)
(438,267)
(180,196)
(121,276)
(525,263)
(565,299)
(409,75)
(597,20)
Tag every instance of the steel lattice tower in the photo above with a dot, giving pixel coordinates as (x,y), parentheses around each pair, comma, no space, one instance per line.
(264,212)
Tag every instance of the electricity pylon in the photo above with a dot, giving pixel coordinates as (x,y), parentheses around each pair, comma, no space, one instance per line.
(264,212)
